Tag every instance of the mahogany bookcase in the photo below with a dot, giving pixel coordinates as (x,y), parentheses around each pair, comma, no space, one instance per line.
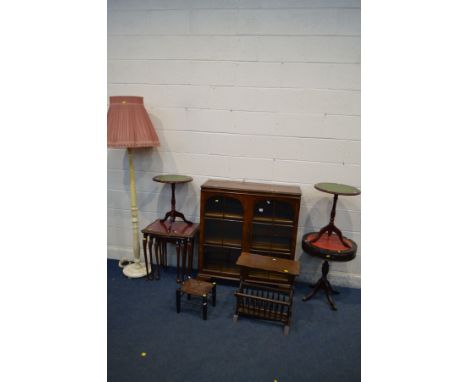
(238,217)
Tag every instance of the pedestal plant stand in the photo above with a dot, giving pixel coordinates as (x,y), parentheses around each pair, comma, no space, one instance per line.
(173,180)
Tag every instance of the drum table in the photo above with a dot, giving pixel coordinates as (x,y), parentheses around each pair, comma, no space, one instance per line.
(329,243)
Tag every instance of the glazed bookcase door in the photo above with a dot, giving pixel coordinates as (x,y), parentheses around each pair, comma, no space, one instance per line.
(273,228)
(223,218)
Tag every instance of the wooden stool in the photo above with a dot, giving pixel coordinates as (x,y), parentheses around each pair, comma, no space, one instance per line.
(199,288)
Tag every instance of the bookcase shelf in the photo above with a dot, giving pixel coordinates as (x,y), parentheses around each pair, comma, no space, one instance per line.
(236,244)
(277,221)
(225,216)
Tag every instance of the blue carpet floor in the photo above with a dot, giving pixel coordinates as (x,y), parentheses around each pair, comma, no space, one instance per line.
(322,345)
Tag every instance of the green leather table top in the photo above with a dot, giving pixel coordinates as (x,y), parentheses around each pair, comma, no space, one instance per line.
(338,189)
(172,178)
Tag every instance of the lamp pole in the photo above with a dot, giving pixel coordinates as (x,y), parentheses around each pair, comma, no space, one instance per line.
(134,270)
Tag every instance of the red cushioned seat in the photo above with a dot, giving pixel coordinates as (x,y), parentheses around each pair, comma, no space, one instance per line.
(329,247)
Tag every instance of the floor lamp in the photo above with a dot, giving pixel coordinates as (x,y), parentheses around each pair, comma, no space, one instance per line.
(129,126)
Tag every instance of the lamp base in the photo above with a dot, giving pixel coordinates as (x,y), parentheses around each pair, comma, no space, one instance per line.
(135,270)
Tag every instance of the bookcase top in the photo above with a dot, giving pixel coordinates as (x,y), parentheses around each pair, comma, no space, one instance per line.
(229,185)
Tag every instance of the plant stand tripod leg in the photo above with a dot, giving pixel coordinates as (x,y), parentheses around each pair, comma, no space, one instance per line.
(168,215)
(330,227)
(181,215)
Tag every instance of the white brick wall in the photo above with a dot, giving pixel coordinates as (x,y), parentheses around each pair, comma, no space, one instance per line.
(256,90)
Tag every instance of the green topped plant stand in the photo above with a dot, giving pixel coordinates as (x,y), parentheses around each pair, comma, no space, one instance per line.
(335,189)
(173,180)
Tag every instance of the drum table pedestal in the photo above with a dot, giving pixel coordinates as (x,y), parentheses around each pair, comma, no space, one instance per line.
(329,248)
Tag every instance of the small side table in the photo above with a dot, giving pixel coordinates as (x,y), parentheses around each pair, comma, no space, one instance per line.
(173,180)
(158,234)
(266,301)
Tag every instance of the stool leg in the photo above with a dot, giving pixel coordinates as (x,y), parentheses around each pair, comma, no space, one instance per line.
(178,293)
(213,294)
(205,307)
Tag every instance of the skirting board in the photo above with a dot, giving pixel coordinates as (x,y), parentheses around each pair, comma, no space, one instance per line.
(337,278)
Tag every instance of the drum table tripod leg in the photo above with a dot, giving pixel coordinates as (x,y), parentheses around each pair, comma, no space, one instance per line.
(334,291)
(314,291)
(329,291)
(323,283)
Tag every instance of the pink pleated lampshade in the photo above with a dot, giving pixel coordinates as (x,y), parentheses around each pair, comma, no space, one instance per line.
(128,123)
